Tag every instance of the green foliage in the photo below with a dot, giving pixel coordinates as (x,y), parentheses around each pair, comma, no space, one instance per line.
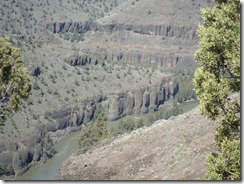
(212,92)
(186,91)
(225,166)
(93,133)
(48,148)
(6,170)
(99,110)
(15,81)
(129,124)
(217,81)
(168,112)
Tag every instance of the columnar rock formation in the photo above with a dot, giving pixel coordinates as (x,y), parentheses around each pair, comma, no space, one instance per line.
(30,150)
(124,50)
(166,30)
(117,105)
(132,56)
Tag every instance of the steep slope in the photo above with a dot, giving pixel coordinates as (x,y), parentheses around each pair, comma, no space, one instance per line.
(169,150)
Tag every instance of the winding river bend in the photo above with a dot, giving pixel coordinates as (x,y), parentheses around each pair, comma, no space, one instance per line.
(67,146)
(49,170)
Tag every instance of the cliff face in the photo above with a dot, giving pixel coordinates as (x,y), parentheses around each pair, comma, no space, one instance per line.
(124,51)
(149,58)
(117,105)
(140,101)
(33,148)
(28,151)
(143,32)
(145,29)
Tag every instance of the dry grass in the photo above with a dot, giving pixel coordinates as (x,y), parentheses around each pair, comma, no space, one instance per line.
(169,150)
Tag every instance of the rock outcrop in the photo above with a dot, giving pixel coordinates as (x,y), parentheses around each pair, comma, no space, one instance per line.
(80,27)
(32,149)
(124,51)
(117,105)
(165,30)
(20,156)
(156,59)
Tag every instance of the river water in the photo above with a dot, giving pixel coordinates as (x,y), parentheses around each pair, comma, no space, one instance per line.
(189,105)
(49,170)
(64,148)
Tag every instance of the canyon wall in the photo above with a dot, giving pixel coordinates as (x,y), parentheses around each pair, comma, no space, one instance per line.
(20,156)
(157,59)
(158,39)
(117,105)
(148,29)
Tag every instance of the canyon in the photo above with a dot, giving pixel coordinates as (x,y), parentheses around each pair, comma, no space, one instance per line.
(119,55)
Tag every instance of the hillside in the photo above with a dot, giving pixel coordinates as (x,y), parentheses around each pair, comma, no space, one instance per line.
(169,150)
(122,56)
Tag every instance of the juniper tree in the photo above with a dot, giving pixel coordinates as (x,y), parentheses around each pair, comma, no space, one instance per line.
(14,79)
(93,133)
(217,84)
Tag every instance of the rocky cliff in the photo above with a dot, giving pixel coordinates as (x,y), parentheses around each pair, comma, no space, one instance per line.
(117,105)
(33,147)
(155,33)
(145,29)
(156,59)
(122,43)
(19,156)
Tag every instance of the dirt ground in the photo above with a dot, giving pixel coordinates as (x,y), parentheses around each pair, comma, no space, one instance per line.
(169,150)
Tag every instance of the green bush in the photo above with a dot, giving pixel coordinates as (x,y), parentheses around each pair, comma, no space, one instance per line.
(6,170)
(93,133)
(225,166)
(186,91)
(48,147)
(216,79)
(127,125)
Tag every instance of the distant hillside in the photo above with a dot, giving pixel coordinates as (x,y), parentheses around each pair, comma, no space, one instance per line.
(169,150)
(28,18)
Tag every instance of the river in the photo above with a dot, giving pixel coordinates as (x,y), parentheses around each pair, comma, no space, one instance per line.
(64,148)
(49,170)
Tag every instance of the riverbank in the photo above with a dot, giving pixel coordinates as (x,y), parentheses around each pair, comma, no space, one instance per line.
(69,145)
(172,149)
(49,170)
